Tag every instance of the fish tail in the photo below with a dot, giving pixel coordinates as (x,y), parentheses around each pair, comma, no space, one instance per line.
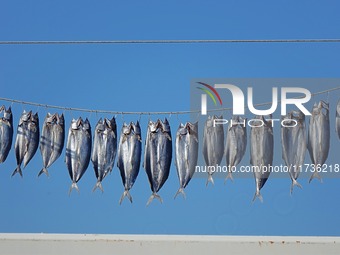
(210,179)
(98,185)
(44,170)
(229,176)
(180,191)
(17,170)
(315,175)
(73,186)
(127,194)
(258,195)
(152,197)
(294,183)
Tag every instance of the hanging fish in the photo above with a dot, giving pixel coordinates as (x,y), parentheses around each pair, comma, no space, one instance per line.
(236,143)
(294,144)
(213,145)
(27,140)
(337,119)
(78,150)
(129,156)
(51,140)
(261,152)
(104,149)
(6,132)
(157,156)
(319,136)
(186,154)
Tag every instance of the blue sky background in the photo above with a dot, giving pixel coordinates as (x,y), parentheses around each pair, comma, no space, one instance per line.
(157,78)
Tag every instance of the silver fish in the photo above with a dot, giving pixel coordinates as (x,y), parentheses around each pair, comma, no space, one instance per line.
(157,156)
(186,154)
(6,132)
(51,140)
(213,145)
(337,119)
(236,143)
(27,140)
(129,156)
(78,150)
(104,149)
(261,152)
(319,136)
(294,144)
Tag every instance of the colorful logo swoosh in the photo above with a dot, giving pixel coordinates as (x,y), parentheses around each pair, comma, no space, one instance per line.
(209,90)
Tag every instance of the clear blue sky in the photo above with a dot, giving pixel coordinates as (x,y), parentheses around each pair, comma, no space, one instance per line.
(157,78)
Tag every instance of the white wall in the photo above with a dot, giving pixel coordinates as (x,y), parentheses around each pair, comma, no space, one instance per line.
(164,244)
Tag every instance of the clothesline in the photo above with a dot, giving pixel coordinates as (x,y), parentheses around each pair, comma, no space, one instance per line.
(139,112)
(329,40)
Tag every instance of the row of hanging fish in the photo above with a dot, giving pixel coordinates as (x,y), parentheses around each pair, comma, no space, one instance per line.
(158,147)
(157,157)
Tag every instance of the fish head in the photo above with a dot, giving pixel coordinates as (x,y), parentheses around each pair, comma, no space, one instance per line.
(50,118)
(100,127)
(60,119)
(153,126)
(242,121)
(182,130)
(75,123)
(87,125)
(136,128)
(25,116)
(315,110)
(288,119)
(111,124)
(209,122)
(192,128)
(107,123)
(126,129)
(35,118)
(321,108)
(324,108)
(235,119)
(258,121)
(299,116)
(33,123)
(8,114)
(165,126)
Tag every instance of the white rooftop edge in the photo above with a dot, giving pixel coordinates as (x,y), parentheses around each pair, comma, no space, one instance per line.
(25,243)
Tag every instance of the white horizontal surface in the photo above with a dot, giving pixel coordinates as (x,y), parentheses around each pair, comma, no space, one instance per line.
(165,244)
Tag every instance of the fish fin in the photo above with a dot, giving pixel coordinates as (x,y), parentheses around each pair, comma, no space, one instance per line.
(17,170)
(180,191)
(44,170)
(98,185)
(294,183)
(229,176)
(127,194)
(258,195)
(73,186)
(315,175)
(210,179)
(152,197)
